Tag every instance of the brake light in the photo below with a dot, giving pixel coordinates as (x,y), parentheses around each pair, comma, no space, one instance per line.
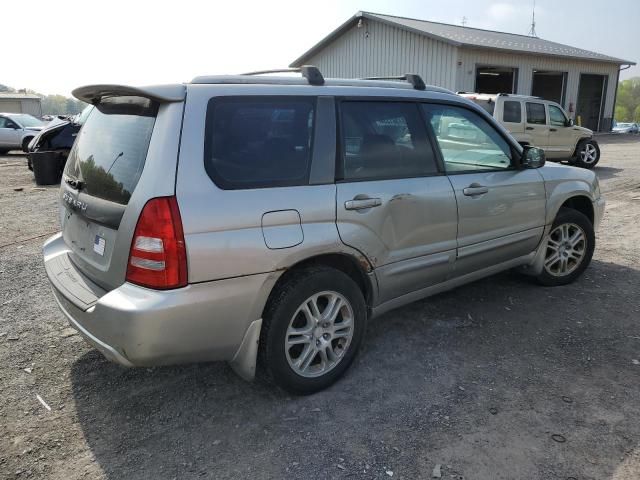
(158,257)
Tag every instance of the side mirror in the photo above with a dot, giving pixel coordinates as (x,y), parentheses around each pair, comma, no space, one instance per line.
(532,157)
(569,123)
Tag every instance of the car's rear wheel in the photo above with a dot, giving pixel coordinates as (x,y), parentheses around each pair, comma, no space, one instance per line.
(312,329)
(569,248)
(587,154)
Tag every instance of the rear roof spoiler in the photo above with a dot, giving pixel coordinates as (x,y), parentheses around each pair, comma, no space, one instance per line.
(159,93)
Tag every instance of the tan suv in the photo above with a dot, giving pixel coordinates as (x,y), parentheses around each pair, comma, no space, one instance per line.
(534,121)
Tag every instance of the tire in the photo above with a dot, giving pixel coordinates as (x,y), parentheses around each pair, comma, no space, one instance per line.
(587,154)
(25,144)
(285,365)
(4,151)
(568,223)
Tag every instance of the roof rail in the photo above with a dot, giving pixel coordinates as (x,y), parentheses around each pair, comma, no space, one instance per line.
(310,72)
(413,78)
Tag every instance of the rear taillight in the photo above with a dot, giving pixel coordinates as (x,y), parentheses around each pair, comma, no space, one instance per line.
(158,258)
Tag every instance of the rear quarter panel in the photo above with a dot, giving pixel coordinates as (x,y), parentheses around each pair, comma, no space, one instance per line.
(224,228)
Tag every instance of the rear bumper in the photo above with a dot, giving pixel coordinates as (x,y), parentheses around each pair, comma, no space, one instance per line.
(136,326)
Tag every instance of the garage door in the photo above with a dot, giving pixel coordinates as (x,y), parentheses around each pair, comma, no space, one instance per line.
(7,106)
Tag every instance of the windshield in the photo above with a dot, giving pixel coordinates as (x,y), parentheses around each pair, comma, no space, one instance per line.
(27,120)
(110,151)
(623,125)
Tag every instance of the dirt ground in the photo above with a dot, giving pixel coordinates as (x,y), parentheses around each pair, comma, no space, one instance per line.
(501,379)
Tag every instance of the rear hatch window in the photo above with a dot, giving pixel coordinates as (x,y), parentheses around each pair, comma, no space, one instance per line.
(102,172)
(489,105)
(110,151)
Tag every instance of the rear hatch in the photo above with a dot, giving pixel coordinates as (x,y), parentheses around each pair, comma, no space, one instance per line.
(125,154)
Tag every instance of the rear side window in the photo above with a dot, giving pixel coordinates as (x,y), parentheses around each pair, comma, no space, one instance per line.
(536,113)
(111,148)
(259,142)
(512,112)
(384,140)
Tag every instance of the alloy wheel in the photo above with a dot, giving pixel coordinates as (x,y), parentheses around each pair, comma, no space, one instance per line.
(319,334)
(589,153)
(566,248)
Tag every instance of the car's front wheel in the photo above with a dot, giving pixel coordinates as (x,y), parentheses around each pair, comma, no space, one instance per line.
(587,154)
(569,248)
(312,329)
(25,144)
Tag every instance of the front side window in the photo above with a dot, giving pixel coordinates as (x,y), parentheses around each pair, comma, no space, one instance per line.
(536,113)
(467,141)
(512,112)
(259,142)
(384,140)
(556,116)
(6,123)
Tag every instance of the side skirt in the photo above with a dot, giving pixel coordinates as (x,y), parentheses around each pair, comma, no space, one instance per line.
(453,283)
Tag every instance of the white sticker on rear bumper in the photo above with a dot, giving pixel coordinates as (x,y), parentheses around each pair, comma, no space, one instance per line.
(98,245)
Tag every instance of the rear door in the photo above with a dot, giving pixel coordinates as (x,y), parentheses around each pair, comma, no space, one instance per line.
(124,155)
(393,203)
(501,208)
(536,125)
(512,118)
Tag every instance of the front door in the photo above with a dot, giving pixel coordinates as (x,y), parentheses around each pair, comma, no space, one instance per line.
(501,208)
(536,126)
(9,133)
(393,203)
(562,136)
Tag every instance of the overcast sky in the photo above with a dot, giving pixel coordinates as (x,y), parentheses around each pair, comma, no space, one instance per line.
(53,46)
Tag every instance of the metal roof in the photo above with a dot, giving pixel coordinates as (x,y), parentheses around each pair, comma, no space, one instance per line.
(469,37)
(16,96)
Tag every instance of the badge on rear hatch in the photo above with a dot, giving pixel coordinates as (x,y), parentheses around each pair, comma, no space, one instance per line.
(98,245)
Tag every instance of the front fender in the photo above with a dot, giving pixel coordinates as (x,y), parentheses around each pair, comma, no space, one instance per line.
(562,192)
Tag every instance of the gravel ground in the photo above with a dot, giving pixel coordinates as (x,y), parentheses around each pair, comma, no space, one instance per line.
(500,379)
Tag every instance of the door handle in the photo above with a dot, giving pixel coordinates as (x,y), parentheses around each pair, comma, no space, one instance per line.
(553,129)
(475,189)
(362,203)
(530,128)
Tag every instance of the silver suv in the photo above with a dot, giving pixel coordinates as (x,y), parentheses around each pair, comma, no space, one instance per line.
(264,220)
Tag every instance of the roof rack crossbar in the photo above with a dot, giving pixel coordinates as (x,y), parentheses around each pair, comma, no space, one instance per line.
(413,78)
(310,72)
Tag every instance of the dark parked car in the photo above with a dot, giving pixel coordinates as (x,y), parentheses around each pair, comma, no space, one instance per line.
(57,138)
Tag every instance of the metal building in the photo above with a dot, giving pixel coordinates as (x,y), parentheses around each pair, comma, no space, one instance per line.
(20,103)
(472,60)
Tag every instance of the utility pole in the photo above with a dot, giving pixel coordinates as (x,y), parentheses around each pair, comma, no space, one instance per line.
(464,21)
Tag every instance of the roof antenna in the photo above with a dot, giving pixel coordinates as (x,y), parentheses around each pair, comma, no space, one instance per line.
(464,21)
(532,31)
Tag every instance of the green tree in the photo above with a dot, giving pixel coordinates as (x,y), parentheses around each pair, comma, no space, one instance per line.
(636,114)
(622,113)
(628,100)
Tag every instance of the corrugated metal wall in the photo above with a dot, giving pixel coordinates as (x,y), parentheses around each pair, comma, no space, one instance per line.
(526,64)
(378,49)
(32,106)
(387,50)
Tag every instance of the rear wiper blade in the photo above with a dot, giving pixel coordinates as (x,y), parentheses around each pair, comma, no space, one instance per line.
(76,184)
